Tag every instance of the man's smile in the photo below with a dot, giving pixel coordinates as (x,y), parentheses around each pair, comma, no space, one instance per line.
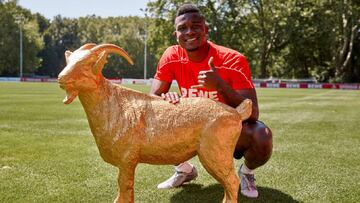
(191,39)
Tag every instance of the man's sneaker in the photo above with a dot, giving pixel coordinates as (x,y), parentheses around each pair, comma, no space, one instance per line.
(178,179)
(247,184)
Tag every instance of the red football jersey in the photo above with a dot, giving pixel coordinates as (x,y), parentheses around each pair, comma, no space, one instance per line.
(231,66)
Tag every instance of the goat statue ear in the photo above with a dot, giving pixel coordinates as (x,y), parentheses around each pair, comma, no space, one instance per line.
(67,55)
(100,63)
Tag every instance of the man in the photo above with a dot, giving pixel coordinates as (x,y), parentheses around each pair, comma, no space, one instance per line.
(227,80)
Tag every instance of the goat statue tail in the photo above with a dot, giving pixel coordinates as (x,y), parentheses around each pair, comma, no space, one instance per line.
(245,109)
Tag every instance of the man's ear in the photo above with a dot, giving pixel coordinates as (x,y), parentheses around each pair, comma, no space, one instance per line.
(174,34)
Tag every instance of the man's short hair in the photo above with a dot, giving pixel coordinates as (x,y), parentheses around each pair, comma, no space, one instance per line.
(188,8)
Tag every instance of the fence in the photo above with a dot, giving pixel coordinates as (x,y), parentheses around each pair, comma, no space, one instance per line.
(302,85)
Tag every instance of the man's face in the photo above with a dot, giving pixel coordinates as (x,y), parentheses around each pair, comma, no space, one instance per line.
(190,31)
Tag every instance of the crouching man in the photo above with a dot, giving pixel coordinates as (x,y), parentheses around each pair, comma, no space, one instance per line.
(204,69)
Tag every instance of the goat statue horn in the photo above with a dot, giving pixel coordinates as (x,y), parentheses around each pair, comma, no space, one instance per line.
(87,46)
(110,48)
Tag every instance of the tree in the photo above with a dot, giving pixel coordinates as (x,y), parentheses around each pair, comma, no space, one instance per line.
(61,35)
(266,28)
(10,40)
(285,38)
(348,14)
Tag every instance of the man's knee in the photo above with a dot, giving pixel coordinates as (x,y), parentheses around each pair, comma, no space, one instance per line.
(263,141)
(263,134)
(256,130)
(261,137)
(256,137)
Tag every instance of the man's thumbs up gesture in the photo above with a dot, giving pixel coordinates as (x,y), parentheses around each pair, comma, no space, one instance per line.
(208,79)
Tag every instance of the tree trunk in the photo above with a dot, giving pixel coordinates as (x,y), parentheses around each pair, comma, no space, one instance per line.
(265,59)
(347,60)
(350,31)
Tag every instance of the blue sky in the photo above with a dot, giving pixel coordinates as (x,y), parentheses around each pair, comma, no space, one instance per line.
(77,8)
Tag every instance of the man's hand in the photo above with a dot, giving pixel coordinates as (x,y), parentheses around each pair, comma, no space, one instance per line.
(208,79)
(171,97)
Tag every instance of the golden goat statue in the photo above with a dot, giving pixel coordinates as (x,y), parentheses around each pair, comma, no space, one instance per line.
(131,127)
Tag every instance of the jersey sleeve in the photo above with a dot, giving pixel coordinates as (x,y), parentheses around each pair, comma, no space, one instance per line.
(241,78)
(165,69)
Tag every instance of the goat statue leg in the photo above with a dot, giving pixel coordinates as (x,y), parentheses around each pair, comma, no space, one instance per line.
(216,154)
(126,183)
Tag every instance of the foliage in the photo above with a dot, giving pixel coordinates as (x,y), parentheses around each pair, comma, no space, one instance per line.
(69,34)
(286,38)
(11,18)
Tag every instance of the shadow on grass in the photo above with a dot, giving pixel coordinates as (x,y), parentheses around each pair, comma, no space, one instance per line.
(192,193)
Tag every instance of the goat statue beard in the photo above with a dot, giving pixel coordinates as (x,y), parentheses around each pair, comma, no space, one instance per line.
(70,96)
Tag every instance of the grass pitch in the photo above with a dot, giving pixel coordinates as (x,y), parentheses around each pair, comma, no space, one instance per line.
(47,152)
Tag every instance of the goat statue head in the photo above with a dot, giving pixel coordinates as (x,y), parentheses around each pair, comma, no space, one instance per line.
(83,69)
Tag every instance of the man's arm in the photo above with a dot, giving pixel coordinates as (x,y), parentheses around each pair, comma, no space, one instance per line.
(211,80)
(161,88)
(235,97)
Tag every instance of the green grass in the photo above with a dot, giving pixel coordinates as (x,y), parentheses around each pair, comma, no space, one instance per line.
(47,152)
